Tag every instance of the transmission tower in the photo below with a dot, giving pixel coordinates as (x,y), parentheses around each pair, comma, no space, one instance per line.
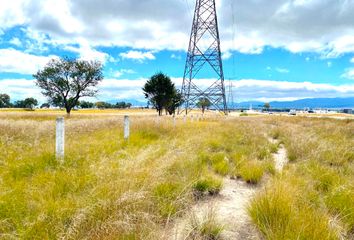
(230,99)
(204,57)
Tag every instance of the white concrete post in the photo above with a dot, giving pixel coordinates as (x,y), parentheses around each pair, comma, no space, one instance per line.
(126,128)
(60,138)
(185,119)
(174,121)
(192,118)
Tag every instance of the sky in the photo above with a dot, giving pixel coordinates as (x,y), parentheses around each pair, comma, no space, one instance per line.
(272,49)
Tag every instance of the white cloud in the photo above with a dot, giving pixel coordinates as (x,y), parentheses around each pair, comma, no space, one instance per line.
(246,89)
(20,89)
(14,61)
(119,73)
(226,55)
(329,64)
(282,70)
(348,74)
(308,59)
(15,41)
(88,53)
(174,56)
(352,60)
(138,55)
(142,25)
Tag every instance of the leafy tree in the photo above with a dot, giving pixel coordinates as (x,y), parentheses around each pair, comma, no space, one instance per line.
(45,105)
(204,103)
(175,102)
(159,90)
(266,106)
(64,81)
(122,105)
(5,101)
(85,104)
(29,103)
(103,105)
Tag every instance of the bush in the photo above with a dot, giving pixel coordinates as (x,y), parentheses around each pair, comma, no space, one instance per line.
(252,172)
(206,228)
(209,184)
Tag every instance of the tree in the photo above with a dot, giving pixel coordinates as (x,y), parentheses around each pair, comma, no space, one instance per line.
(204,103)
(85,104)
(103,105)
(266,106)
(159,90)
(29,103)
(64,81)
(5,101)
(175,102)
(45,105)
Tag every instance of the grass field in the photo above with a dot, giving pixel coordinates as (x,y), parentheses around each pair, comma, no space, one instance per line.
(111,189)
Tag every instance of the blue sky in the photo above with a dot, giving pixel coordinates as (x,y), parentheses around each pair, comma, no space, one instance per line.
(290,49)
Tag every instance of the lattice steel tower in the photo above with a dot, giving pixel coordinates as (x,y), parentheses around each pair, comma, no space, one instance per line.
(204,57)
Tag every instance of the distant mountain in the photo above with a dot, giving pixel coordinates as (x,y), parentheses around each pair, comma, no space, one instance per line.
(305,103)
(298,104)
(134,102)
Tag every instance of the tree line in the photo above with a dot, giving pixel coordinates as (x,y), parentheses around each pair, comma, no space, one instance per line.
(31,103)
(65,81)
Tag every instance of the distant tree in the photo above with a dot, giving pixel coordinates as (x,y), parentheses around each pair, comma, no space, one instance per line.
(122,105)
(266,106)
(159,90)
(64,81)
(85,104)
(175,101)
(204,103)
(45,105)
(5,101)
(28,103)
(103,105)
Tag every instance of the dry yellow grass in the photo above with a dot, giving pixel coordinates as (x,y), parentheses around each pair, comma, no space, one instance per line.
(108,188)
(111,189)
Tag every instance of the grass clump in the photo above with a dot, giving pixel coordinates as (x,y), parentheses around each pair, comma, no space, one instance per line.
(341,201)
(166,195)
(280,213)
(252,172)
(207,185)
(205,227)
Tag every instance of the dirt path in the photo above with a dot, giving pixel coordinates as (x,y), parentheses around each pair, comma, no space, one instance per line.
(280,157)
(229,207)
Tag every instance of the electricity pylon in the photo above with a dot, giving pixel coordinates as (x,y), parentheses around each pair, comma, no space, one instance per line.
(230,99)
(204,59)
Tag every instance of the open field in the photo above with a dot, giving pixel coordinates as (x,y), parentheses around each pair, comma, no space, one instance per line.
(108,188)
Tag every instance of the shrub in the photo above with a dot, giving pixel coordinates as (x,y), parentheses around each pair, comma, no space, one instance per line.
(205,228)
(209,184)
(252,172)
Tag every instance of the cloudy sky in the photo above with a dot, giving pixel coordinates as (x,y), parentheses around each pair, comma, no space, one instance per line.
(272,49)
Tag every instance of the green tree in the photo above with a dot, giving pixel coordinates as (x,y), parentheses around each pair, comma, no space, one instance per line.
(28,103)
(204,103)
(45,105)
(175,102)
(64,81)
(5,101)
(160,91)
(266,106)
(85,104)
